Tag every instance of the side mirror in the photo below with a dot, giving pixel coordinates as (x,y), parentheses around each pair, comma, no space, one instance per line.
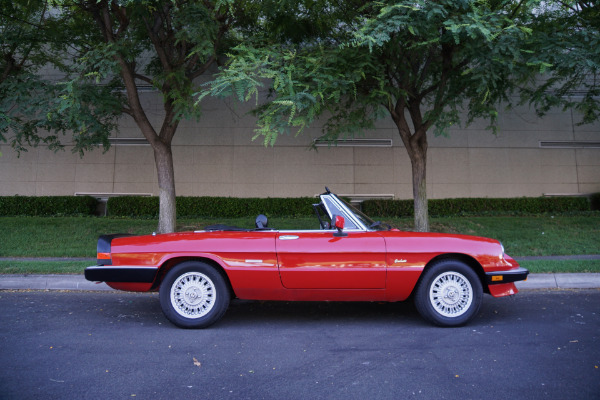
(338,223)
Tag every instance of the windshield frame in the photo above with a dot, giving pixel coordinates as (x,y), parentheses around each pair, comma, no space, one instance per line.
(358,218)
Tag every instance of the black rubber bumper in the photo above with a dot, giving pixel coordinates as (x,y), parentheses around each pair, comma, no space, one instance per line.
(514,275)
(108,273)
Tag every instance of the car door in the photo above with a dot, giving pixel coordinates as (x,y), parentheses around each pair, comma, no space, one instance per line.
(320,260)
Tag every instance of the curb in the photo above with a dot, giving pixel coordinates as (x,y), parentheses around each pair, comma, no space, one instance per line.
(78,282)
(50,282)
(560,281)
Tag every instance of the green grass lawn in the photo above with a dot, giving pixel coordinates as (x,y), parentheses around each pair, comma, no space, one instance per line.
(542,235)
(533,235)
(77,236)
(566,266)
(43,267)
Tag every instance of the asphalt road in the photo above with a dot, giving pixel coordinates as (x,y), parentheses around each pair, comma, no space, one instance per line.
(113,345)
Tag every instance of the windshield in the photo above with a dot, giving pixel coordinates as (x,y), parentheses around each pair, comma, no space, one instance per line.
(368,222)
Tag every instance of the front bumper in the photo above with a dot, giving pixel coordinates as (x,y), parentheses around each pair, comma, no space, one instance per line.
(109,273)
(513,275)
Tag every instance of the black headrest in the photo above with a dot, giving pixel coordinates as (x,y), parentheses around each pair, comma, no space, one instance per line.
(261,221)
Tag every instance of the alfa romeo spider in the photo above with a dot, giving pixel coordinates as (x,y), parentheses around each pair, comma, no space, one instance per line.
(347,257)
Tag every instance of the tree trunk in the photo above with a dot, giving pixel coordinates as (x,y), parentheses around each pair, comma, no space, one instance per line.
(167,216)
(416,147)
(419,176)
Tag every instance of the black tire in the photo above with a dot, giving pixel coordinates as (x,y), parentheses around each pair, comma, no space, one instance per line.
(194,295)
(449,293)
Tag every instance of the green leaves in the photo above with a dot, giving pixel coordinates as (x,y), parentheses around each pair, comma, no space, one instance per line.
(443,56)
(27,43)
(565,48)
(96,54)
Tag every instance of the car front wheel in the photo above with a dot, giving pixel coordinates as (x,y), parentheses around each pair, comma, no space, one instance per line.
(449,294)
(194,295)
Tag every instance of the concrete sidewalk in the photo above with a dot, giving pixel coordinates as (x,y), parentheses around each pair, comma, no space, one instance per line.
(78,282)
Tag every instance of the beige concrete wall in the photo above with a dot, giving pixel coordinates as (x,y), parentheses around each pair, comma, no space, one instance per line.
(217,157)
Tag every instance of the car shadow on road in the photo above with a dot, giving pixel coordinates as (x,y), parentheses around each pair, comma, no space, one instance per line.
(145,309)
(244,312)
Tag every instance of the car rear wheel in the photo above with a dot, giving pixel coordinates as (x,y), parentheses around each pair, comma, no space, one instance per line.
(194,295)
(449,293)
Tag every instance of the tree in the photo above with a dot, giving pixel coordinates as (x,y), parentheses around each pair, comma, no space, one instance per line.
(167,44)
(113,47)
(423,63)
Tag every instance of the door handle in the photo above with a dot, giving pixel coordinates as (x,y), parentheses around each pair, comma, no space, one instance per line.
(288,237)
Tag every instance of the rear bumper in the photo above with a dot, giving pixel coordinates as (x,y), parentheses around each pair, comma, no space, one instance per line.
(500,277)
(110,273)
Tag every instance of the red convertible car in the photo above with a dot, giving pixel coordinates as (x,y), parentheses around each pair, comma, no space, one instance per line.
(348,257)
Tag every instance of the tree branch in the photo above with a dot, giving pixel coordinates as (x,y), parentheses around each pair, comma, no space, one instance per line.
(121,13)
(426,65)
(512,15)
(154,33)
(10,66)
(203,69)
(143,78)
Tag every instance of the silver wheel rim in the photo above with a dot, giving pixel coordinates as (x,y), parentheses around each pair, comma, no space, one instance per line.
(451,294)
(193,295)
